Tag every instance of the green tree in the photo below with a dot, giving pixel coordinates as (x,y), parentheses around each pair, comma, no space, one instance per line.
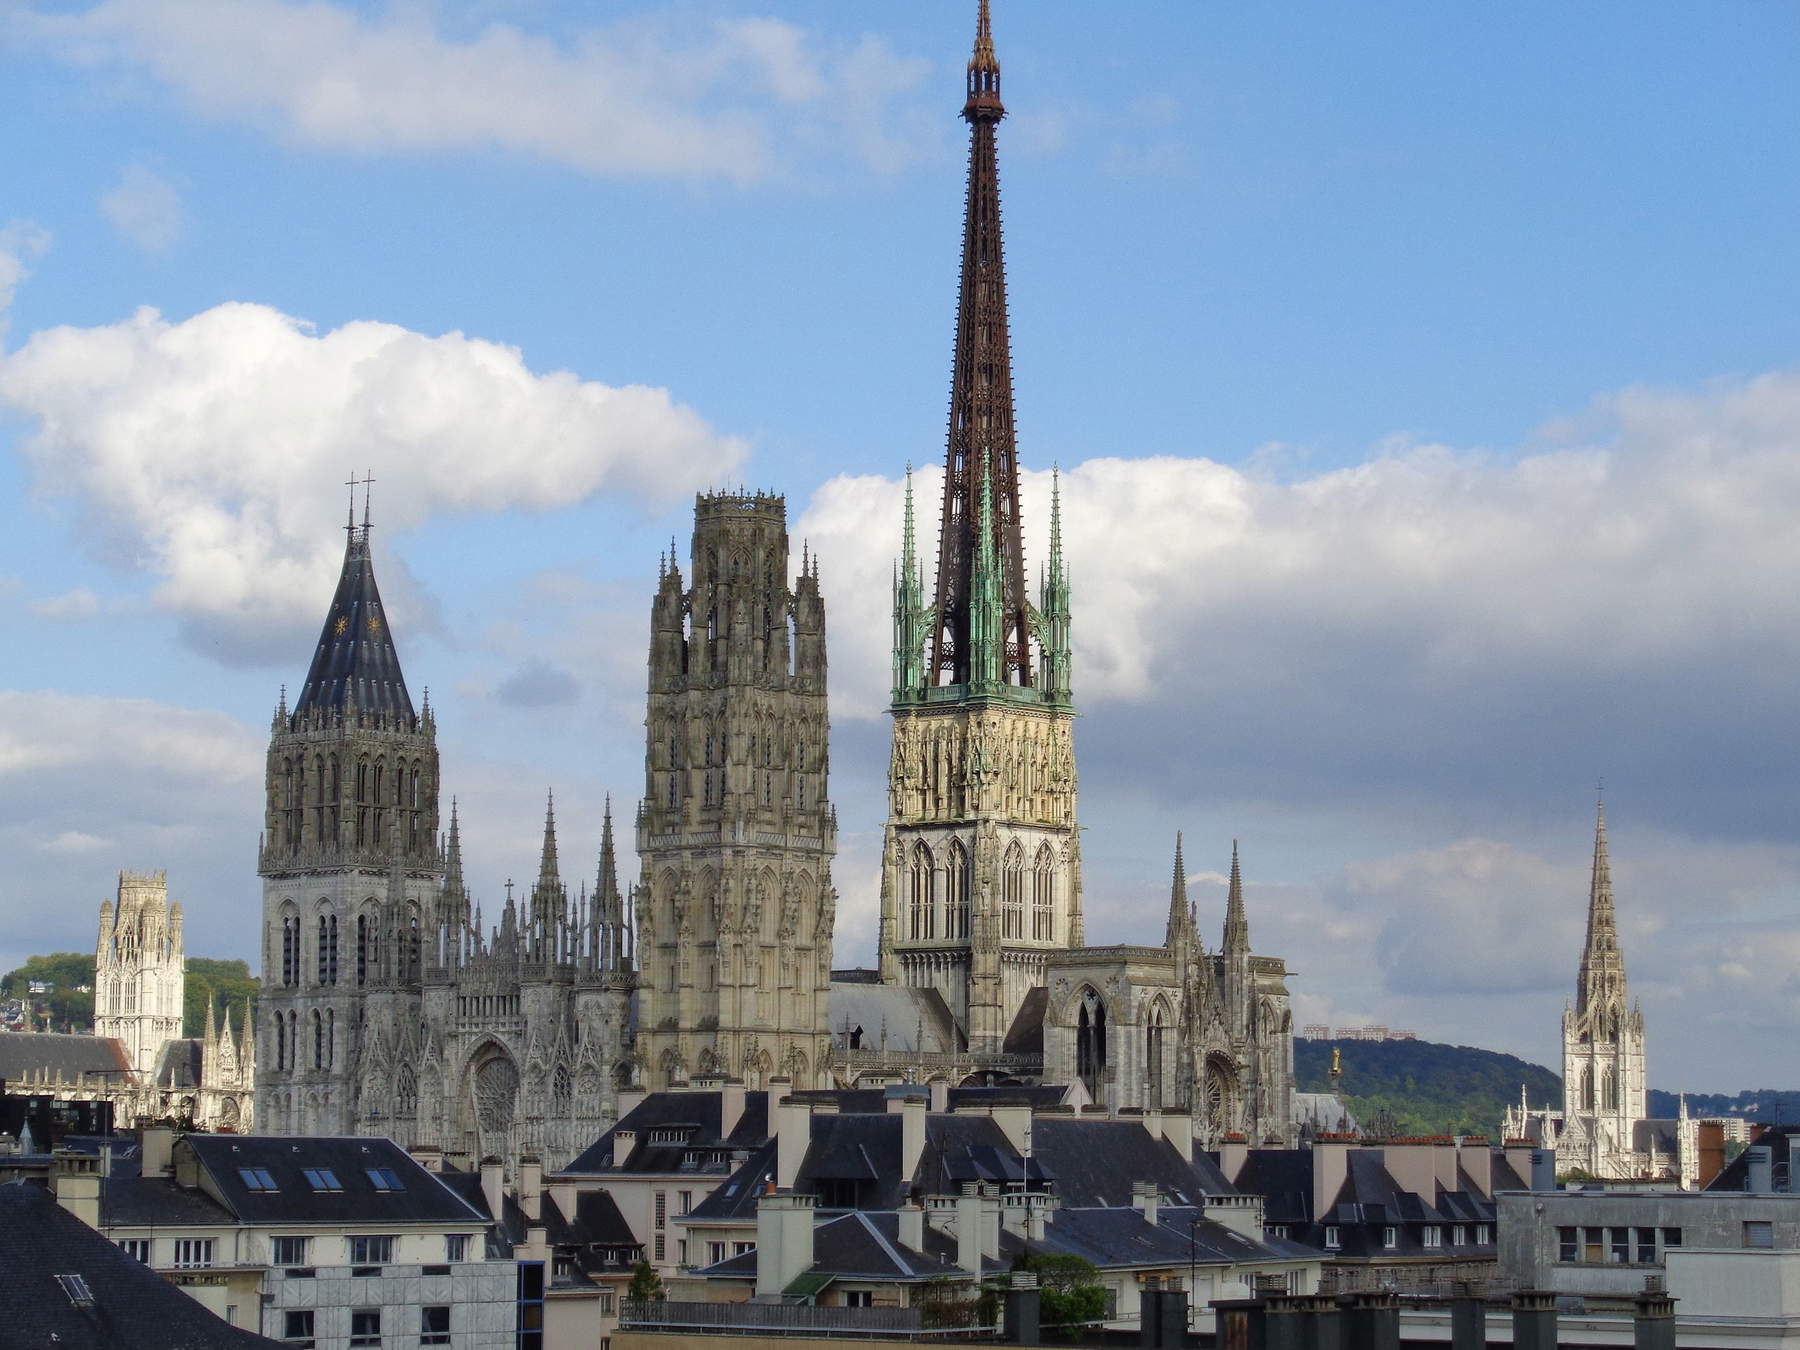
(229,982)
(1071,1296)
(69,973)
(646,1285)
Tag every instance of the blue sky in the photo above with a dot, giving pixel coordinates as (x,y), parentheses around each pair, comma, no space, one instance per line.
(1425,379)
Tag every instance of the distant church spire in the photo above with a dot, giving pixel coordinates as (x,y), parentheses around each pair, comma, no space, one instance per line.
(1237,927)
(982,458)
(1602,978)
(1180,915)
(356,662)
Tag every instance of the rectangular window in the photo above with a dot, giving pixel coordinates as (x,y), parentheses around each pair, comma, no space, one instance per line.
(384,1178)
(1671,1237)
(371,1251)
(1277,1230)
(1568,1244)
(321,1179)
(257,1178)
(1759,1233)
(1390,1237)
(434,1326)
(297,1326)
(662,1250)
(365,1327)
(681,1252)
(715,1253)
(859,1298)
(137,1248)
(740,1248)
(1432,1237)
(1620,1246)
(456,1247)
(1483,1235)
(1332,1239)
(606,1303)
(662,1209)
(193,1253)
(1593,1245)
(1646,1246)
(291,1251)
(687,1203)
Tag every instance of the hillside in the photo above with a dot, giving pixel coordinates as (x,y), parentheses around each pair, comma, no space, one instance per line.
(1422,1087)
(230,982)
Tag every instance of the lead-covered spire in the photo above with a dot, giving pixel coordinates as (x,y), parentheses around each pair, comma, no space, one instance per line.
(1237,927)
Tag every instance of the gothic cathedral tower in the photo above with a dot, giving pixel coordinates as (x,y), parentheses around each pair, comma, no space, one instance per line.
(350,862)
(735,908)
(1604,1085)
(140,969)
(981,869)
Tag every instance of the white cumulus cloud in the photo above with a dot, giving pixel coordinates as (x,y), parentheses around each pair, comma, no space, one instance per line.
(145,208)
(208,451)
(21,242)
(645,96)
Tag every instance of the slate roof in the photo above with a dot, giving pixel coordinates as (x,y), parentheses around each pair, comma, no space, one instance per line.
(1284,1179)
(1735,1175)
(893,1017)
(132,1307)
(178,1064)
(1095,1162)
(422,1197)
(356,658)
(735,1197)
(702,1111)
(37,1053)
(862,1245)
(159,1202)
(1026,1034)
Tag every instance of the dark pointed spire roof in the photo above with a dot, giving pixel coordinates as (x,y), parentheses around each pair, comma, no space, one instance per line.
(453,864)
(1179,913)
(1237,927)
(982,455)
(548,872)
(1602,977)
(606,886)
(356,661)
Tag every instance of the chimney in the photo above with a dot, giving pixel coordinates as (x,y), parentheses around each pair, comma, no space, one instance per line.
(1478,1161)
(623,1142)
(428,1156)
(1413,1168)
(912,1137)
(1146,1198)
(968,1228)
(784,1240)
(536,1246)
(1234,1152)
(940,1096)
(630,1098)
(1760,1179)
(1331,1162)
(1543,1169)
(75,1178)
(793,1132)
(157,1144)
(731,1105)
(493,1187)
(531,1187)
(1014,1121)
(912,1226)
(1518,1157)
(1038,1217)
(1178,1129)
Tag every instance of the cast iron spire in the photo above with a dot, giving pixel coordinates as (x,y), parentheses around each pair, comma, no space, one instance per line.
(1602,978)
(982,454)
(355,661)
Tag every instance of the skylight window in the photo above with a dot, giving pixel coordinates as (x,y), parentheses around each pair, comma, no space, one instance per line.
(384,1179)
(322,1179)
(257,1178)
(77,1289)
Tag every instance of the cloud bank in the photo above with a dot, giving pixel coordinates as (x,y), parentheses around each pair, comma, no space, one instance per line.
(735,99)
(205,450)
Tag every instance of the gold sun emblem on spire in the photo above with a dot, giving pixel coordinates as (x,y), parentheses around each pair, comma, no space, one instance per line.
(341,627)
(375,625)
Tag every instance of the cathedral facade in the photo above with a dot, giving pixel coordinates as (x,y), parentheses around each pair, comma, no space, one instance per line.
(388,1006)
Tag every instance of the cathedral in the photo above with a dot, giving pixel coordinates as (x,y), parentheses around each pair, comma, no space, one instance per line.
(391,1007)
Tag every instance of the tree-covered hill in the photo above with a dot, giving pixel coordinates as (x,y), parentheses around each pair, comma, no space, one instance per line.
(230,982)
(1422,1087)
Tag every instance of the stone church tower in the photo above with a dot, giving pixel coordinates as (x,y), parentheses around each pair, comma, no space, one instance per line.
(981,869)
(1604,1086)
(736,833)
(350,861)
(140,969)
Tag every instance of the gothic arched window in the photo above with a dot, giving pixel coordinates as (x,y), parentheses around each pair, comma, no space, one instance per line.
(1153,1057)
(328,949)
(1012,893)
(365,948)
(1043,896)
(921,915)
(1090,1042)
(281,1042)
(956,891)
(290,949)
(318,1024)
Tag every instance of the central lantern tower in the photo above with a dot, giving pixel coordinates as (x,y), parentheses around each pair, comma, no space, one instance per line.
(981,874)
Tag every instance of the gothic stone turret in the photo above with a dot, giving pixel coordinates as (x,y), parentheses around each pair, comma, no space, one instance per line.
(140,969)
(981,872)
(350,862)
(736,833)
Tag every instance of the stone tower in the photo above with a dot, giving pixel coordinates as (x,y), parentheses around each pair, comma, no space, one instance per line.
(350,861)
(736,831)
(1604,1086)
(981,871)
(140,969)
